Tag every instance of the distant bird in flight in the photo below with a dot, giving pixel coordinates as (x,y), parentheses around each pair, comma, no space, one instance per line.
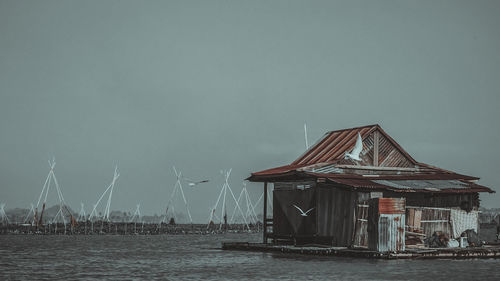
(193,183)
(358,147)
(302,213)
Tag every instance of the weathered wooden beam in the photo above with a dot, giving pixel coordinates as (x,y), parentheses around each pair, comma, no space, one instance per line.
(264,232)
(375,148)
(377,168)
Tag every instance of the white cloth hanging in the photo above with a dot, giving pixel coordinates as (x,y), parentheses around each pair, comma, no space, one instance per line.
(461,221)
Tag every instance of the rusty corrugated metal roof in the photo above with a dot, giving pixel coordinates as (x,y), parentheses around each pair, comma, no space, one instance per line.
(277,170)
(433,186)
(333,146)
(290,172)
(397,171)
(436,183)
(424,184)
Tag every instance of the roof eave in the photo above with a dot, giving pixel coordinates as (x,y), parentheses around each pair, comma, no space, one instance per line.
(286,176)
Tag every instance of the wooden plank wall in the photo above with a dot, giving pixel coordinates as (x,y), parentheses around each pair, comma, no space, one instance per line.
(287,220)
(335,214)
(389,155)
(439,200)
(413,219)
(361,228)
(428,220)
(379,151)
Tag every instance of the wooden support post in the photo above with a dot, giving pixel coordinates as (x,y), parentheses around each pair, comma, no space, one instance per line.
(375,148)
(265,214)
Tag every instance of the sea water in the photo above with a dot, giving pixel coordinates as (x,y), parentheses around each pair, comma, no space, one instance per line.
(199,257)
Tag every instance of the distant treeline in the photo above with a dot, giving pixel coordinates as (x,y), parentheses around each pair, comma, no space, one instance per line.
(21,216)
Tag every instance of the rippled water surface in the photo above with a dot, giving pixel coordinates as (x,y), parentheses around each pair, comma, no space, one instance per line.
(196,257)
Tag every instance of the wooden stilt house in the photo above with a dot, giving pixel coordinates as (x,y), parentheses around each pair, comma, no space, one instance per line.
(323,197)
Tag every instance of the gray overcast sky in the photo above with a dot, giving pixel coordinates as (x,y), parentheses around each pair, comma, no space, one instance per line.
(209,85)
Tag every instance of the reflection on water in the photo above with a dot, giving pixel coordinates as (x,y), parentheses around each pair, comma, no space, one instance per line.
(196,257)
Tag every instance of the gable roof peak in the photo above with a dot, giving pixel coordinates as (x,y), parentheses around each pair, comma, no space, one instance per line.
(372,127)
(334,144)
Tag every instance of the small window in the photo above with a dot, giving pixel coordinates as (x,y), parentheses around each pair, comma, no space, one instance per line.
(303,186)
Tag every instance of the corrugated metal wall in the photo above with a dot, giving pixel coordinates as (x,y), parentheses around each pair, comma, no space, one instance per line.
(391,236)
(386,224)
(335,214)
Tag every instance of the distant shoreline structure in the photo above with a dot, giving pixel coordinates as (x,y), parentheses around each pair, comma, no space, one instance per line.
(125,228)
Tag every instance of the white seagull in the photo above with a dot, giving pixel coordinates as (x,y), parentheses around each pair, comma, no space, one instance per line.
(358,147)
(193,183)
(302,213)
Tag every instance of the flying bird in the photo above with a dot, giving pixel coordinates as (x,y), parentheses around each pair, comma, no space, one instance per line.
(358,147)
(194,183)
(302,213)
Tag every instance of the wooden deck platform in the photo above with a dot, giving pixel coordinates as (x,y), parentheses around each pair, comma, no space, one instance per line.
(426,253)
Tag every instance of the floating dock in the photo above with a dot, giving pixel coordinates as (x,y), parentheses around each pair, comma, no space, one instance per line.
(486,251)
